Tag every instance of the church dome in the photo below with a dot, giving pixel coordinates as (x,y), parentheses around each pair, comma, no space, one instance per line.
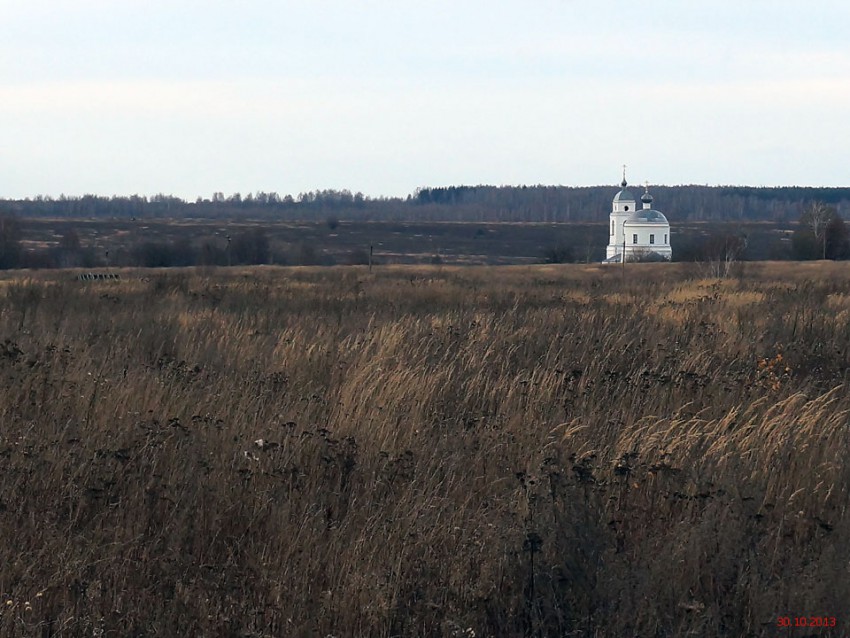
(646,216)
(624,196)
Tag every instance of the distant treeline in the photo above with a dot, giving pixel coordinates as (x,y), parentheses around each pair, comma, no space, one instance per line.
(453,203)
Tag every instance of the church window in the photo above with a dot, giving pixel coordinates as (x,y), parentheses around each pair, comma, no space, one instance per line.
(652,239)
(634,238)
(665,239)
(612,226)
(626,208)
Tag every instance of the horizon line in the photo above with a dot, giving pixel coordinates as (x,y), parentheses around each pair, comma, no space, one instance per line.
(295,197)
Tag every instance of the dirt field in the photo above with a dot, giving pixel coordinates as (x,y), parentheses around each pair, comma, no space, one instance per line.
(191,242)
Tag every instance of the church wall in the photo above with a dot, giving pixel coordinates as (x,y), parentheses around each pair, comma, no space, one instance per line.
(617,238)
(644,233)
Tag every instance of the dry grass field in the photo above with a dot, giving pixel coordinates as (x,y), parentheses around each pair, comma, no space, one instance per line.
(426,451)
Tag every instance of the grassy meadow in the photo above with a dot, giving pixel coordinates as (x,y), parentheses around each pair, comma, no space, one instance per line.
(426,451)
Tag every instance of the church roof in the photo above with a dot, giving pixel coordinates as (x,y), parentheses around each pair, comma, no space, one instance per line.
(646,216)
(624,196)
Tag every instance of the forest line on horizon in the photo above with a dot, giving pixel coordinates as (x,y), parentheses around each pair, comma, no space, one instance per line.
(549,204)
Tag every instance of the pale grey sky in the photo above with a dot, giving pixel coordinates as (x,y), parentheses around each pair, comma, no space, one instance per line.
(188,97)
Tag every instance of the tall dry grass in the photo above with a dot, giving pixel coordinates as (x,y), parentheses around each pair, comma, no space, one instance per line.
(539,451)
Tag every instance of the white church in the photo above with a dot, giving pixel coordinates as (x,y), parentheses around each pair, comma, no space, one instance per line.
(637,234)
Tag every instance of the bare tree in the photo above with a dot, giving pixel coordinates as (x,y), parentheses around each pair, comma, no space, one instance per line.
(817,217)
(821,234)
(721,252)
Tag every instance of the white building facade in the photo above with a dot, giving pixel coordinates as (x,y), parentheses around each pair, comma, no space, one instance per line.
(637,234)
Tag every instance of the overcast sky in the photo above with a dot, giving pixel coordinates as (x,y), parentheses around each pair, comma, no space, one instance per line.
(189,97)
